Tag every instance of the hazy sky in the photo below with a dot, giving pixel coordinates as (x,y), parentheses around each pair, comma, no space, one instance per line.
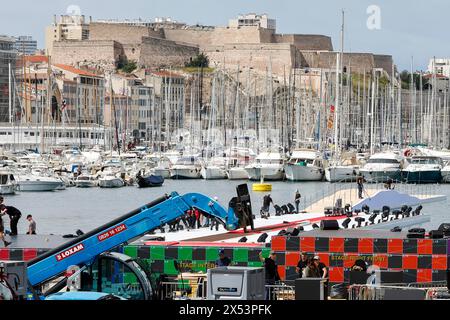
(408,28)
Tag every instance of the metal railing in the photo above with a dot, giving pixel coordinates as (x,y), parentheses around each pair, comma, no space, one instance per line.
(348,190)
(280,292)
(179,291)
(401,291)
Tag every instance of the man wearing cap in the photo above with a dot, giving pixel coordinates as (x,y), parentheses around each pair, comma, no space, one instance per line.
(323,271)
(223,260)
(321,266)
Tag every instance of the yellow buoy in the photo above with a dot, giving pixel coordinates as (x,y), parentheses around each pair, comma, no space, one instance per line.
(262,187)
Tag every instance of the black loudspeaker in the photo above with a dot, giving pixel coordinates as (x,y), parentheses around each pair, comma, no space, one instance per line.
(346,223)
(315,226)
(360,220)
(445,227)
(244,239)
(300,229)
(436,234)
(329,225)
(396,229)
(417,230)
(282,233)
(293,232)
(262,238)
(416,236)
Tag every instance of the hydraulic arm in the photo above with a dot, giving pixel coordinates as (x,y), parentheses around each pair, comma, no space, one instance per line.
(84,249)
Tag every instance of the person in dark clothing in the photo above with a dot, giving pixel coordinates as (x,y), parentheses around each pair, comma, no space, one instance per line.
(214,223)
(14,216)
(271,270)
(223,260)
(267,200)
(301,265)
(298,197)
(360,183)
(323,272)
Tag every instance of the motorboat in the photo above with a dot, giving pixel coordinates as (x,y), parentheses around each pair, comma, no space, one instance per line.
(110,181)
(268,166)
(345,170)
(187,167)
(305,165)
(150,181)
(382,167)
(163,167)
(423,169)
(86,181)
(7,183)
(33,183)
(214,169)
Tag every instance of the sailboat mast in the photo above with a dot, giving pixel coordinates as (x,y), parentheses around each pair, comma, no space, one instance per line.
(338,89)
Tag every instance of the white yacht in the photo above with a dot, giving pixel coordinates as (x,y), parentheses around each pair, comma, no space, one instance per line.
(214,169)
(110,181)
(267,165)
(163,167)
(86,181)
(305,165)
(7,183)
(187,167)
(382,166)
(423,169)
(345,170)
(33,183)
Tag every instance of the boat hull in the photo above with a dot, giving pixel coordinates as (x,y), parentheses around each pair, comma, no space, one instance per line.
(303,173)
(213,173)
(163,172)
(111,183)
(150,182)
(269,174)
(38,186)
(237,174)
(431,176)
(381,176)
(7,189)
(341,174)
(85,184)
(184,173)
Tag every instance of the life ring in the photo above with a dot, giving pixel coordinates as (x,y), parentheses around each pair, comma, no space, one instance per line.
(407,153)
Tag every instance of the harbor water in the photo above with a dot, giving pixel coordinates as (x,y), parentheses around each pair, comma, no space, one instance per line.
(64,212)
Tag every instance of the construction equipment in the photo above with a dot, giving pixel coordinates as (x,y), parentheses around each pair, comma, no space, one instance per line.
(92,250)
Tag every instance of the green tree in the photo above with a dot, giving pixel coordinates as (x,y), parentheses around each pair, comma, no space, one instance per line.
(200,61)
(126,66)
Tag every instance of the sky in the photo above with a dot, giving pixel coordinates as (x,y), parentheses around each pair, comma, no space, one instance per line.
(412,31)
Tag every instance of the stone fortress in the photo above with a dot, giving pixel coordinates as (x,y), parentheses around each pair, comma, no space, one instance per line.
(250,42)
